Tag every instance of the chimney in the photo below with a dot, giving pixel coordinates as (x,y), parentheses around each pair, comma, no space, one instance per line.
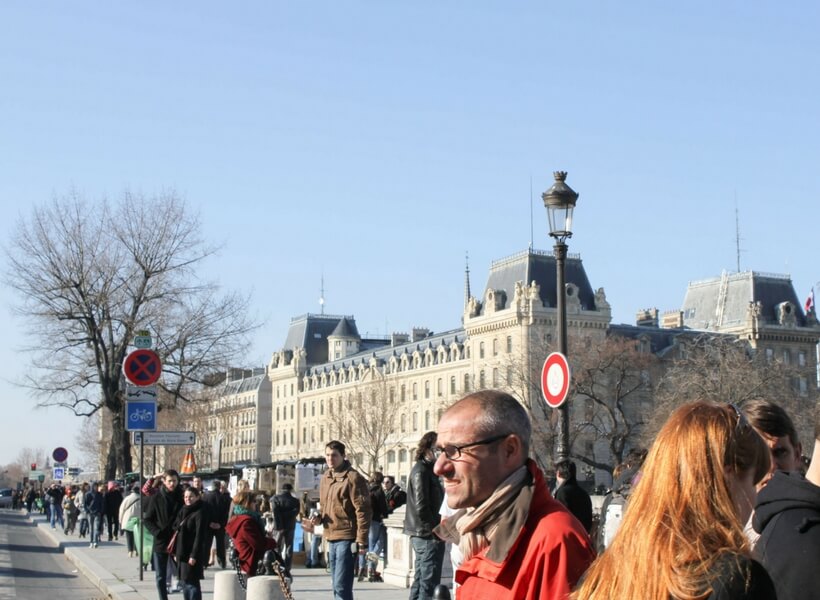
(647,317)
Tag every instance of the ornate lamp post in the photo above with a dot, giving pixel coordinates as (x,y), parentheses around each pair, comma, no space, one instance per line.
(560,201)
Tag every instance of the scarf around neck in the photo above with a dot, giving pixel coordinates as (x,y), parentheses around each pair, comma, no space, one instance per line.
(241,510)
(474,528)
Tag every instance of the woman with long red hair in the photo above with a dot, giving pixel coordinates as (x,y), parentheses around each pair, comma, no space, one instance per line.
(682,534)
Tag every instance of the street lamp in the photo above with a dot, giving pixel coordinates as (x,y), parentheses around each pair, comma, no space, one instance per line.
(560,201)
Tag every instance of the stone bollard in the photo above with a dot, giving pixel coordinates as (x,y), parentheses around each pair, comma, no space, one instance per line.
(263,587)
(226,586)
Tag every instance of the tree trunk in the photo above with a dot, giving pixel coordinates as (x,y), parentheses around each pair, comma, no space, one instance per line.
(118,462)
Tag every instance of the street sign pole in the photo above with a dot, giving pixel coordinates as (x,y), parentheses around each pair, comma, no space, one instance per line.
(142,525)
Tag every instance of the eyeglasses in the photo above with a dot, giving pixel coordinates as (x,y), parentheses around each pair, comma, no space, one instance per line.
(742,421)
(453,452)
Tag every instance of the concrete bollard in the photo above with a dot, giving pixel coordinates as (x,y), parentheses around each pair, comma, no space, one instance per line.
(263,587)
(226,586)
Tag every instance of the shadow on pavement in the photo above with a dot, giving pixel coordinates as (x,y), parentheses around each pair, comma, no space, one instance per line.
(20,573)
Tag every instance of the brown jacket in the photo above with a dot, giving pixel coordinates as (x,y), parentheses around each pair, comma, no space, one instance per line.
(345,505)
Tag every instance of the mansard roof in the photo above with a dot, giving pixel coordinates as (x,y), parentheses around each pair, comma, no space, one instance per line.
(723,302)
(310,332)
(346,328)
(384,352)
(247,384)
(539,266)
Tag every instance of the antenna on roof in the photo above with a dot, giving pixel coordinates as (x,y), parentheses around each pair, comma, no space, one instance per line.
(737,232)
(466,279)
(322,295)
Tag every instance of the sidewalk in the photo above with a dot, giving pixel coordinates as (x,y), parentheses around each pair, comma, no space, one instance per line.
(110,569)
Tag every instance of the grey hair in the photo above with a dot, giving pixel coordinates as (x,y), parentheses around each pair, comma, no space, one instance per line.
(500,413)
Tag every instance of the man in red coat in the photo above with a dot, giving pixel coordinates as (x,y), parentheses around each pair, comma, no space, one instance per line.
(518,542)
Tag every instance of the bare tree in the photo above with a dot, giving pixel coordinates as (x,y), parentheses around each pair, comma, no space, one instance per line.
(90,275)
(610,381)
(367,418)
(726,369)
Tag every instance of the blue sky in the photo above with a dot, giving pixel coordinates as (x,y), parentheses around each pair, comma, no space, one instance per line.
(375,143)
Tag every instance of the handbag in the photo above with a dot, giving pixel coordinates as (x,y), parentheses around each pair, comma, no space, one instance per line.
(172,543)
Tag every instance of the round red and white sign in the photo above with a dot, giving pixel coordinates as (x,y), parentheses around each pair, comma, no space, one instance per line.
(555,379)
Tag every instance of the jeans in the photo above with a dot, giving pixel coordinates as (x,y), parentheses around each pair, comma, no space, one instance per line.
(191,591)
(95,522)
(285,547)
(429,557)
(374,543)
(341,568)
(159,560)
(113,526)
(56,515)
(315,549)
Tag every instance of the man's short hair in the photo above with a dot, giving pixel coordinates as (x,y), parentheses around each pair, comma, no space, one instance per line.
(771,419)
(170,473)
(337,445)
(391,478)
(287,487)
(565,469)
(500,413)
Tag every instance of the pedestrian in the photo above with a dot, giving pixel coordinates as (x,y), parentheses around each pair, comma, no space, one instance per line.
(787,517)
(247,531)
(345,514)
(393,493)
(517,541)
(424,498)
(129,510)
(82,513)
(31,495)
(159,519)
(54,500)
(285,508)
(378,532)
(191,550)
(94,503)
(682,536)
(777,429)
(113,500)
(569,493)
(218,506)
(70,511)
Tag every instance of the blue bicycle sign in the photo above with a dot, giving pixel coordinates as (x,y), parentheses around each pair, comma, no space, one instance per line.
(141,416)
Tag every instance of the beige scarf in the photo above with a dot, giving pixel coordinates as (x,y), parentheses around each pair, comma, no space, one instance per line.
(473,528)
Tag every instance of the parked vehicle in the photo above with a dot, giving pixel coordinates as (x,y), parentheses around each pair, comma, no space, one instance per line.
(5,498)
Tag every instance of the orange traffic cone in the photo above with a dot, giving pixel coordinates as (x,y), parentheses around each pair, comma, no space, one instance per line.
(188,463)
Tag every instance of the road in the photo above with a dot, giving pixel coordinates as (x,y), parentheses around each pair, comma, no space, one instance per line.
(33,568)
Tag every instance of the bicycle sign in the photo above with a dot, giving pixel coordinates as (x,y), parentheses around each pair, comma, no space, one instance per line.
(141,416)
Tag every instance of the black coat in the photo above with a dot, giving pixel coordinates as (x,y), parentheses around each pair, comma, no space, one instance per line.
(424,498)
(285,509)
(218,506)
(787,516)
(575,498)
(378,502)
(113,500)
(192,542)
(161,515)
(741,578)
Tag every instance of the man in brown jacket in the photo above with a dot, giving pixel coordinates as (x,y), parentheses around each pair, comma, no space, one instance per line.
(345,513)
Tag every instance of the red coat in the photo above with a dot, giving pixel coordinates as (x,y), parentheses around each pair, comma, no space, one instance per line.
(545,560)
(249,540)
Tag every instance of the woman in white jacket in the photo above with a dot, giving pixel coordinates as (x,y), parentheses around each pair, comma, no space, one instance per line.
(130,508)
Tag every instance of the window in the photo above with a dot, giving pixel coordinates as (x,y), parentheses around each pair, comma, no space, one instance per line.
(415,421)
(495,347)
(440,387)
(787,357)
(304,435)
(509,375)
(403,395)
(291,411)
(427,389)
(322,406)
(322,433)
(304,410)
(467,382)
(403,423)
(427,420)
(803,386)
(801,358)
(453,384)
(277,438)
(495,378)
(391,456)
(402,455)
(291,436)
(415,391)
(481,350)
(481,381)
(769,354)
(509,343)
(313,408)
